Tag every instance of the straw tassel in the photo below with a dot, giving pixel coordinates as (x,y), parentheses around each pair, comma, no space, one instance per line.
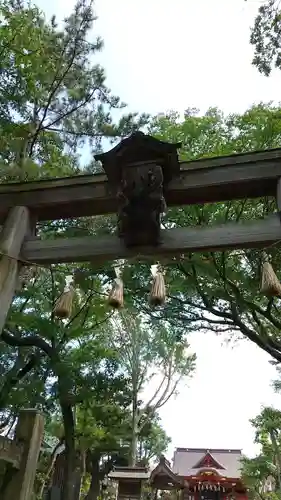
(270,284)
(63,305)
(116,295)
(158,288)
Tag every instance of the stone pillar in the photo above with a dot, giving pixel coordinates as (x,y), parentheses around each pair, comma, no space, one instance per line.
(29,432)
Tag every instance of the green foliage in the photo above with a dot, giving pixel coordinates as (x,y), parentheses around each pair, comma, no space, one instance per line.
(144,348)
(255,472)
(53,98)
(265,37)
(152,441)
(258,471)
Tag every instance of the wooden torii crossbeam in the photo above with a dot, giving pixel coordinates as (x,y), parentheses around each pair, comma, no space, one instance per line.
(247,175)
(176,241)
(144,174)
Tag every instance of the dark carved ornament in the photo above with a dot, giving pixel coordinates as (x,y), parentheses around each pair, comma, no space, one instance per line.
(139,169)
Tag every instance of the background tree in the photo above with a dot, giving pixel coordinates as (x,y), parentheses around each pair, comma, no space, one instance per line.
(103,435)
(103,426)
(152,441)
(99,429)
(150,355)
(256,472)
(265,37)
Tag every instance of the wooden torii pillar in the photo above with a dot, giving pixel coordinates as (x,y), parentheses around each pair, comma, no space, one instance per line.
(16,228)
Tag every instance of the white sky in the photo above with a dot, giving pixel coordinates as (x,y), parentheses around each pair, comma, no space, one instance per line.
(161,55)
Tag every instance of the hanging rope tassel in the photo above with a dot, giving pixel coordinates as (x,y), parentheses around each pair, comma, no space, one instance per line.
(158,288)
(63,305)
(270,284)
(116,295)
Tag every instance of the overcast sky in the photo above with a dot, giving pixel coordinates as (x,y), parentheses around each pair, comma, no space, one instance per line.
(161,55)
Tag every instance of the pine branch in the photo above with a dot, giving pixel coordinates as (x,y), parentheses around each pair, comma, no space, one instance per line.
(30,341)
(86,134)
(55,86)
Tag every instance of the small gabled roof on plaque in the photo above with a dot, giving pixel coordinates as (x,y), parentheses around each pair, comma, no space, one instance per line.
(140,148)
(129,473)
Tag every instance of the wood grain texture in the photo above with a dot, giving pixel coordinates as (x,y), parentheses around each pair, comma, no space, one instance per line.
(207,180)
(260,233)
(11,238)
(278,194)
(10,451)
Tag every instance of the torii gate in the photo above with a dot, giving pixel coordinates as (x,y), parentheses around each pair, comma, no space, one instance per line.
(143,174)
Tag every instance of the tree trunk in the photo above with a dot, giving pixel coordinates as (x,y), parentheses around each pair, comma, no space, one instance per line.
(83,470)
(278,457)
(94,489)
(70,457)
(134,439)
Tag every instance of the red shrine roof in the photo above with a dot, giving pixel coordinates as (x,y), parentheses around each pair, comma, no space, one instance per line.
(190,461)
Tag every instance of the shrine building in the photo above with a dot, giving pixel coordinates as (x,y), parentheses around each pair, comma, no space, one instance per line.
(201,474)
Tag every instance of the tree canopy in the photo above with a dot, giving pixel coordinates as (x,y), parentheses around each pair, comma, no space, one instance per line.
(54,98)
(147,350)
(262,473)
(265,37)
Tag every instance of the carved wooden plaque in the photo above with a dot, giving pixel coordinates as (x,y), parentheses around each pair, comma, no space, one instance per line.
(10,451)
